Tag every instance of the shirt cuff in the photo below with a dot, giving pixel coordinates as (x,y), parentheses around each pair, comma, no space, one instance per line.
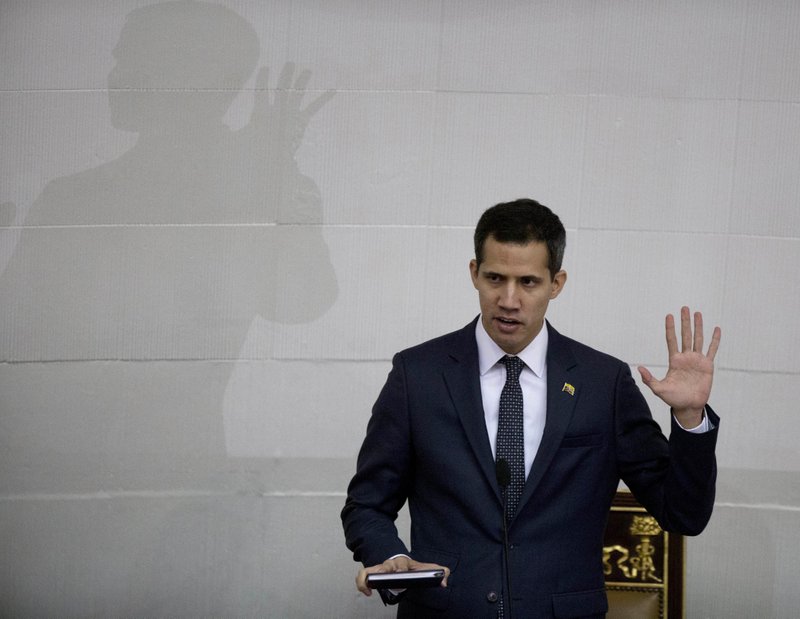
(704,426)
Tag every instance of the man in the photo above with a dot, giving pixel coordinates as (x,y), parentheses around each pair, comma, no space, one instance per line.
(440,425)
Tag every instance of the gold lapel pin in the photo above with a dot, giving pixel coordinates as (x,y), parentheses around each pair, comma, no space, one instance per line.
(568,388)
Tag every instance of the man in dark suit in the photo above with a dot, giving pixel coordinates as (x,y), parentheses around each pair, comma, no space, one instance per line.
(439,427)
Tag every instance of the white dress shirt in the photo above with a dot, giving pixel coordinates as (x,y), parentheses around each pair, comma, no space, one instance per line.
(532,379)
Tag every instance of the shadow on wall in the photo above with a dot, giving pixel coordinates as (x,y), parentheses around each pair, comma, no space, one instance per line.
(165,254)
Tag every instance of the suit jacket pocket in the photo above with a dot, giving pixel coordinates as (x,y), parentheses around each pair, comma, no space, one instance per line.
(576,604)
(582,440)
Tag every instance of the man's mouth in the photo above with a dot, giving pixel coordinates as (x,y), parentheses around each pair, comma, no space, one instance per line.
(507,323)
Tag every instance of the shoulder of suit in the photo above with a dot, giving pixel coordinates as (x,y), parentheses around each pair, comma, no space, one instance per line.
(455,342)
(582,353)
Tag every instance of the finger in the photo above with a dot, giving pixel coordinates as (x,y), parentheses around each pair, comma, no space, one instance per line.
(261,97)
(698,333)
(284,87)
(302,80)
(285,80)
(361,582)
(262,79)
(297,93)
(715,338)
(686,330)
(672,340)
(446,573)
(400,564)
(361,578)
(315,106)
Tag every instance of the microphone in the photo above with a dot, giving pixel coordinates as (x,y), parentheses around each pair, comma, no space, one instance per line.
(503,473)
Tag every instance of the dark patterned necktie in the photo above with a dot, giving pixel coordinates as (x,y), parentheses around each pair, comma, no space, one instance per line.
(510,432)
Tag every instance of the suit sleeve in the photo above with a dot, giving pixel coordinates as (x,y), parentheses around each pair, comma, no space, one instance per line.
(383,475)
(674,479)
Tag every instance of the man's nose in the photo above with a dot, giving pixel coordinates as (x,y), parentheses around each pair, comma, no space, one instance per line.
(509,297)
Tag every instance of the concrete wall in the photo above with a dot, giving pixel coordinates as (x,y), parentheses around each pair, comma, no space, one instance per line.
(206,266)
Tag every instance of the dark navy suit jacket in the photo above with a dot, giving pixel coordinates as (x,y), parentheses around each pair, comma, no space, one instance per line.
(427,443)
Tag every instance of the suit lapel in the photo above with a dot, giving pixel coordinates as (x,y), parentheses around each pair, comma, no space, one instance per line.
(463,382)
(560,407)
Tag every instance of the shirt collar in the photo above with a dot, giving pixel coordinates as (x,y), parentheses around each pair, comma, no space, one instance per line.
(489,353)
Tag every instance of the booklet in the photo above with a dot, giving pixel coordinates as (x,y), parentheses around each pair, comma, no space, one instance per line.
(405,580)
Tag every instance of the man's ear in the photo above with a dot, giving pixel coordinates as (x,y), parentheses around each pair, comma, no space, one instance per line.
(557,285)
(473,271)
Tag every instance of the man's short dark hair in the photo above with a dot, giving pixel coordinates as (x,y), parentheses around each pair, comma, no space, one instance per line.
(521,222)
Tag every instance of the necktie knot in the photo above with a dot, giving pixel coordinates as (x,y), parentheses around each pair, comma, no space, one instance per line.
(514,367)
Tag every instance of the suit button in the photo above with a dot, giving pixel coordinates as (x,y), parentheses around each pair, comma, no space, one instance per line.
(491,596)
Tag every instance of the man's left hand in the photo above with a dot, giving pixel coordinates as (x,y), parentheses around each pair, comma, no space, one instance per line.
(687,385)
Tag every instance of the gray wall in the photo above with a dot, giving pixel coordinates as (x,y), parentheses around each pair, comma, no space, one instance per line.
(206,266)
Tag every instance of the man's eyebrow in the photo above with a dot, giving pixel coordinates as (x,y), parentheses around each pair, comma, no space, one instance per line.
(534,278)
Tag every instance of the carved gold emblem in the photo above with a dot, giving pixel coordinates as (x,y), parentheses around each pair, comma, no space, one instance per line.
(641,565)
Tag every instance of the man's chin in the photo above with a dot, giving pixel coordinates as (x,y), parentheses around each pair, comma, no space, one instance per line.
(510,345)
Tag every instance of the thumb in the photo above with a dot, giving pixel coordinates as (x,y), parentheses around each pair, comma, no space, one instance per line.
(646,375)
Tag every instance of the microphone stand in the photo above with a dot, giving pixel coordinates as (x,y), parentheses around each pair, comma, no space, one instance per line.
(503,473)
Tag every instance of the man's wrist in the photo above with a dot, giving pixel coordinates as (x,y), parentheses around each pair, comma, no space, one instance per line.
(705,425)
(689,419)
